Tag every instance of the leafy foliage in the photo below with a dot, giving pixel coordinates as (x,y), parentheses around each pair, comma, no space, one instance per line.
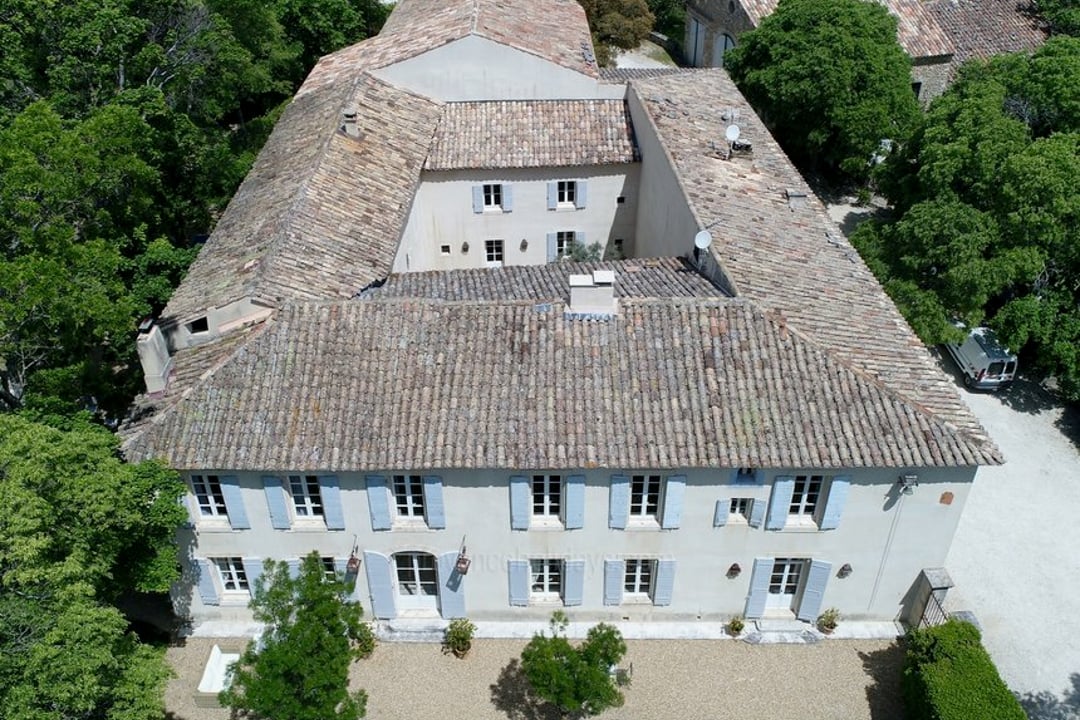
(1062,15)
(830,79)
(948,675)
(79,527)
(313,634)
(987,225)
(576,680)
(617,24)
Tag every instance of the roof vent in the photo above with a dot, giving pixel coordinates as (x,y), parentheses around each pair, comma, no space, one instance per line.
(348,121)
(593,296)
(796,198)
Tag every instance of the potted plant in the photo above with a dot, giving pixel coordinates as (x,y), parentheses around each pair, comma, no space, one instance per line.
(458,636)
(828,620)
(735,626)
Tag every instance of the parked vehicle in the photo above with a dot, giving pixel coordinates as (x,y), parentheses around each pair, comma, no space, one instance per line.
(985,363)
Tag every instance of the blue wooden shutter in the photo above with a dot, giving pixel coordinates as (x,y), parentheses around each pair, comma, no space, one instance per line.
(275,500)
(294,567)
(380,585)
(757,512)
(614,575)
(619,502)
(341,567)
(575,502)
(759,587)
(433,502)
(520,502)
(253,568)
(720,515)
(674,489)
(518,571)
(579,237)
(204,573)
(331,497)
(234,502)
(451,587)
(552,247)
(553,195)
(780,502)
(478,198)
(814,592)
(378,498)
(508,198)
(834,505)
(573,582)
(581,194)
(664,584)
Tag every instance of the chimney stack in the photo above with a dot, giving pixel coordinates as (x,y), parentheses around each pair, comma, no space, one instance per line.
(593,295)
(154,356)
(348,120)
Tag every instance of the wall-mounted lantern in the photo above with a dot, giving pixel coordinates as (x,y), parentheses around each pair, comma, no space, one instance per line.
(465,247)
(734,570)
(463,562)
(908,483)
(844,570)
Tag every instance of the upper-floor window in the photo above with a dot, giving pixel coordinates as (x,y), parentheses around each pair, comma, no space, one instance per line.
(567,192)
(804,496)
(208,495)
(740,508)
(807,502)
(306,496)
(409,496)
(547,495)
(565,240)
(231,574)
(493,197)
(645,496)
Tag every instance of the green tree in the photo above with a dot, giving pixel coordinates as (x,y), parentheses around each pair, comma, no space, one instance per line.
(300,670)
(617,24)
(830,79)
(1062,15)
(576,680)
(78,528)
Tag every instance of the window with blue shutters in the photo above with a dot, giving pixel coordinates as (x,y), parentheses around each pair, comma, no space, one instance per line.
(575,502)
(839,487)
(619,502)
(205,580)
(518,575)
(520,502)
(807,501)
(333,513)
(646,500)
(253,568)
(552,247)
(674,489)
(664,585)
(614,575)
(380,585)
(759,587)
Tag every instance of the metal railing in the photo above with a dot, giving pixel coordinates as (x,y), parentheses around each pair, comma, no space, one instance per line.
(934,613)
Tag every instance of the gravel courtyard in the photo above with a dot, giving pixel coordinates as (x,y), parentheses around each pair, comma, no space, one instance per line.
(685,679)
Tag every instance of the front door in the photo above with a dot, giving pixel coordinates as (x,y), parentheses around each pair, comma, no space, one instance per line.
(417,581)
(784,584)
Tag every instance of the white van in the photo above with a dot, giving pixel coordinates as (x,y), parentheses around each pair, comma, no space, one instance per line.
(985,363)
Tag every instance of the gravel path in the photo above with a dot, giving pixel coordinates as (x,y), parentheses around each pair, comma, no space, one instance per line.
(685,679)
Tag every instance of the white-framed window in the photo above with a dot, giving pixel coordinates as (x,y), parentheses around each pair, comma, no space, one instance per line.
(416,574)
(638,581)
(805,496)
(565,240)
(231,574)
(547,578)
(409,496)
(444,250)
(547,497)
(493,250)
(306,497)
(740,509)
(645,496)
(208,495)
(566,194)
(493,197)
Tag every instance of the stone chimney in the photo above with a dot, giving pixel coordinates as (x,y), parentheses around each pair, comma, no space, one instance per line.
(348,121)
(593,295)
(154,356)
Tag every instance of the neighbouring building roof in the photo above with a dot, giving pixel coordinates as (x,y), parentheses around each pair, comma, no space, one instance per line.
(305,223)
(918,31)
(793,260)
(414,384)
(532,133)
(983,28)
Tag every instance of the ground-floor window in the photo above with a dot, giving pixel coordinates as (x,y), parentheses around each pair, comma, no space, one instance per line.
(546,578)
(639,578)
(416,574)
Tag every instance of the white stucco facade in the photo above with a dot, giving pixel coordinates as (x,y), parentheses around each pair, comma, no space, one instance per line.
(444,220)
(885,536)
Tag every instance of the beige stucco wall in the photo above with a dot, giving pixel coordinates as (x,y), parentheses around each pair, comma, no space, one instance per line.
(885,536)
(442,214)
(474,68)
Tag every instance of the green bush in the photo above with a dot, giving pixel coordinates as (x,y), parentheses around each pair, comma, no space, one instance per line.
(948,675)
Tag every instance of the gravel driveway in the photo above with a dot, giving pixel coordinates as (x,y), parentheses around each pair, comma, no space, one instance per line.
(685,679)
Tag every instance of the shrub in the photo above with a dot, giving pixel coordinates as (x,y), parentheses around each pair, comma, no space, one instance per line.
(458,637)
(948,675)
(365,640)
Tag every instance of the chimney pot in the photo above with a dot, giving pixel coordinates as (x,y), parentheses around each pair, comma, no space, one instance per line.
(348,118)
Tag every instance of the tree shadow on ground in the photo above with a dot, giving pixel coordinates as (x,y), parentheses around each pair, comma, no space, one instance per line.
(884,667)
(1046,705)
(510,695)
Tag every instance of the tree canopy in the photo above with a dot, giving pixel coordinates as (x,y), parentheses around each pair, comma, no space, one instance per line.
(617,25)
(79,527)
(831,81)
(300,669)
(987,222)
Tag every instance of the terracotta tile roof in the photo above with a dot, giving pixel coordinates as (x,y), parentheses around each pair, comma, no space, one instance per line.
(305,223)
(639,277)
(983,28)
(621,75)
(795,262)
(918,31)
(532,133)
(366,385)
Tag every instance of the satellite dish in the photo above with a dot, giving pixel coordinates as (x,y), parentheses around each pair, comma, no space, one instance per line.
(702,240)
(732,133)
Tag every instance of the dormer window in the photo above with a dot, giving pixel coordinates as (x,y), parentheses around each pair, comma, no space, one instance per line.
(746,476)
